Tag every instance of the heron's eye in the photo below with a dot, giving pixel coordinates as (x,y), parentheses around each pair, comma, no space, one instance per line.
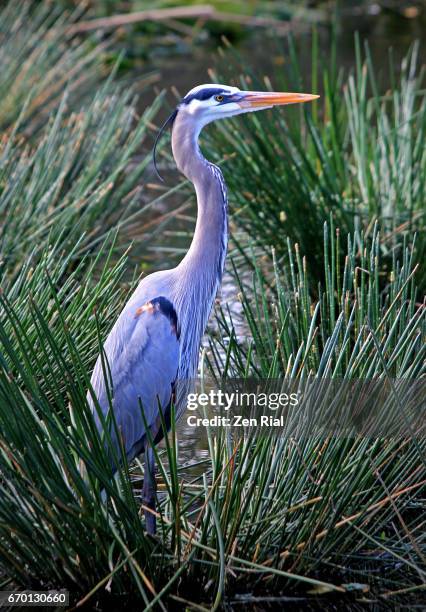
(218,98)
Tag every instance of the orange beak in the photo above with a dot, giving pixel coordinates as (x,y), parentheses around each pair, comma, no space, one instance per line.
(254,99)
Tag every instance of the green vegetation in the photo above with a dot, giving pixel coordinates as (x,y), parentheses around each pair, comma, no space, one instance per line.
(38,62)
(350,329)
(340,295)
(358,155)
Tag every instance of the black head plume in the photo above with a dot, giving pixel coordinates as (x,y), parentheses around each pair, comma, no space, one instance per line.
(169,121)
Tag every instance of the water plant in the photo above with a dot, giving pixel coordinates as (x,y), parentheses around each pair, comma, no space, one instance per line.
(304,517)
(359,158)
(290,512)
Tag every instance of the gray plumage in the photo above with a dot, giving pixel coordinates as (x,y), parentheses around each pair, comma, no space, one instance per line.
(152,351)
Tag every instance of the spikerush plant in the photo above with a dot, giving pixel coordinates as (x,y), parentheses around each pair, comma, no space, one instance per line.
(56,529)
(284,512)
(255,510)
(306,505)
(39,60)
(72,149)
(363,321)
(78,181)
(357,155)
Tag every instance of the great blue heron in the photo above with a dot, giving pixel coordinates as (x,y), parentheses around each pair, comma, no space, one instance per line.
(156,340)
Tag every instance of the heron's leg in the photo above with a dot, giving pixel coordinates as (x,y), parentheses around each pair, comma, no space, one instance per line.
(149,490)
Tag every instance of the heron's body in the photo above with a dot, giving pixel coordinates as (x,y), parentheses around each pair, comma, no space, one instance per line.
(148,349)
(152,350)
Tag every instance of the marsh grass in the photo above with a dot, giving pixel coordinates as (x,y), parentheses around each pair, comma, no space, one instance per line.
(357,154)
(298,516)
(39,61)
(74,185)
(364,321)
(303,517)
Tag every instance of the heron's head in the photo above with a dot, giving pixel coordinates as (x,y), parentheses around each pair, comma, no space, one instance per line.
(206,103)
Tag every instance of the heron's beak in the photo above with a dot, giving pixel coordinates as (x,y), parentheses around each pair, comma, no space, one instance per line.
(255,99)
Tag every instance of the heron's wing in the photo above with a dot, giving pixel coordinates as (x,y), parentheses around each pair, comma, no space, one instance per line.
(142,355)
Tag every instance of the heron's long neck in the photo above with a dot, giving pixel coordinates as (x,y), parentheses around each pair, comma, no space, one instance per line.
(200,272)
(206,255)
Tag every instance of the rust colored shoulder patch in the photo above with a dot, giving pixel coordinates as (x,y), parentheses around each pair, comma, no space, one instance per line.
(163,305)
(148,307)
